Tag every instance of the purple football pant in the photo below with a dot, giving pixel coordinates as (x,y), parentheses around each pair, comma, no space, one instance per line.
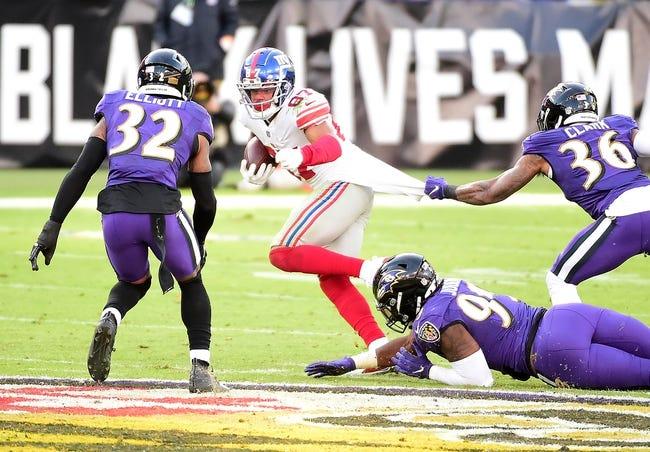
(585,346)
(128,237)
(602,246)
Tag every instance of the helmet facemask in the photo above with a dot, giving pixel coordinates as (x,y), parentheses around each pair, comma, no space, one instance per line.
(397,319)
(260,110)
(266,68)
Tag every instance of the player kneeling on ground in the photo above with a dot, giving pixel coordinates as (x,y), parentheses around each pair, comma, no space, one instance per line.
(574,345)
(147,135)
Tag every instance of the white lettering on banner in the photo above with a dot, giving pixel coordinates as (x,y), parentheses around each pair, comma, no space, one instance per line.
(244,37)
(613,70)
(29,82)
(67,131)
(123,60)
(354,57)
(342,99)
(385,106)
(432,85)
(511,85)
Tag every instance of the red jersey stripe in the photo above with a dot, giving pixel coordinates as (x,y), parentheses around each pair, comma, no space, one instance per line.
(317,114)
(313,107)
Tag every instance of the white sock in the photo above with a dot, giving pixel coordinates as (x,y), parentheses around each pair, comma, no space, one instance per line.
(115,312)
(374,345)
(369,269)
(203,355)
(561,292)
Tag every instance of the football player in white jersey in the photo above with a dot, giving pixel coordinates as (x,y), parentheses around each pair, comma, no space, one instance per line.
(323,235)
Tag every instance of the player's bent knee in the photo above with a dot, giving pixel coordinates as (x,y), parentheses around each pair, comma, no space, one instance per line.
(141,286)
(193,279)
(191,276)
(142,280)
(279,258)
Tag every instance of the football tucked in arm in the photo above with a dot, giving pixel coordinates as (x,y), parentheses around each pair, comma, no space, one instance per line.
(255,152)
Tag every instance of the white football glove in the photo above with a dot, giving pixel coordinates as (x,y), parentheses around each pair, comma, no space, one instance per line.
(289,158)
(258,177)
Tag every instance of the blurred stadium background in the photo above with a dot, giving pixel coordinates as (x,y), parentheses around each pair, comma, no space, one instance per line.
(444,87)
(419,83)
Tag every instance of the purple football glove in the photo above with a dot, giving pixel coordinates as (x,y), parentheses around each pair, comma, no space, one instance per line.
(434,187)
(408,364)
(330,368)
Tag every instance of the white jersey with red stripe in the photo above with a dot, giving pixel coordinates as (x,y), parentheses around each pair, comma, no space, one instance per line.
(304,108)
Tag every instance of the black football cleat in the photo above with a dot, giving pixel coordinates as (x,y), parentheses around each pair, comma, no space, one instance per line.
(202,380)
(99,355)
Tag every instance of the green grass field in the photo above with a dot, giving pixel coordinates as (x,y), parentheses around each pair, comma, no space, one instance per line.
(265,329)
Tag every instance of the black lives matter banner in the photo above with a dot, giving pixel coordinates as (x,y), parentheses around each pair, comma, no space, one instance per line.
(448,83)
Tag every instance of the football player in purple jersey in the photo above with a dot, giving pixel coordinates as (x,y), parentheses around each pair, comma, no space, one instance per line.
(569,345)
(147,135)
(594,162)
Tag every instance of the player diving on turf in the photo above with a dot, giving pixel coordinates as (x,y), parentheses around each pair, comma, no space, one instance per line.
(569,345)
(323,234)
(594,162)
(147,135)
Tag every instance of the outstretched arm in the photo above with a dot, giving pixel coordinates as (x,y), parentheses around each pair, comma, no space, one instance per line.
(493,190)
(380,359)
(72,187)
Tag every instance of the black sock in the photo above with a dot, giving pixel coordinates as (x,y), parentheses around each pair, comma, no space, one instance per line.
(123,296)
(196,313)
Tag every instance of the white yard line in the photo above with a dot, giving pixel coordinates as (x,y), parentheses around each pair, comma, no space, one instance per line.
(174,327)
(249,202)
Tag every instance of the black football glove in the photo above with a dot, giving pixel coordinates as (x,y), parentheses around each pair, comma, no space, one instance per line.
(45,244)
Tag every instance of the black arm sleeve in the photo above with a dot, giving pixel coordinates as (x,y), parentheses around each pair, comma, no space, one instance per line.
(206,204)
(74,183)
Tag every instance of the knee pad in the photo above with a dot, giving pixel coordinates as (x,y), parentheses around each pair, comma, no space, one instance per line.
(560,291)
